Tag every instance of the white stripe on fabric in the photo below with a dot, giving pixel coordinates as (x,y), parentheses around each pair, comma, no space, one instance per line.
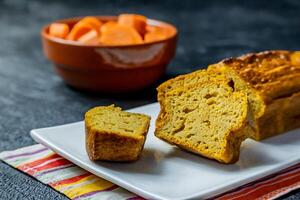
(62,174)
(21,150)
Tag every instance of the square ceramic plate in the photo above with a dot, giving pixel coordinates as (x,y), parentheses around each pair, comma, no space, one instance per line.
(166,172)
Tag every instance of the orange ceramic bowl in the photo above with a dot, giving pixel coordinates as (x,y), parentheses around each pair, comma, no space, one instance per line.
(110,68)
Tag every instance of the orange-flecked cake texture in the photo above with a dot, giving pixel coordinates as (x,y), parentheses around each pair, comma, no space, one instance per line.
(202,113)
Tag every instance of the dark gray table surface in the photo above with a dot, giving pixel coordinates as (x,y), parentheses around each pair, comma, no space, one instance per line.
(32,96)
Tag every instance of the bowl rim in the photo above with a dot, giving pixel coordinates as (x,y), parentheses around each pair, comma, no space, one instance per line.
(154,22)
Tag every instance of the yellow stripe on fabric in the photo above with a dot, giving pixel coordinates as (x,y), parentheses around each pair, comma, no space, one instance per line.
(98,185)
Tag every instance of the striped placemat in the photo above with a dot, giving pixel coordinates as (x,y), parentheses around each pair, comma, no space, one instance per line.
(76,183)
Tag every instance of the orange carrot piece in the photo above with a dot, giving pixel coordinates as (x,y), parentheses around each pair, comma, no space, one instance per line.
(155,34)
(107,25)
(59,30)
(90,37)
(115,34)
(93,21)
(78,30)
(138,22)
(84,26)
(150,28)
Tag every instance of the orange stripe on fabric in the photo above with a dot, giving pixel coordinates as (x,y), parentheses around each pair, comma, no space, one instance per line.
(240,194)
(270,181)
(37,162)
(261,191)
(53,164)
(258,183)
(50,165)
(83,182)
(281,191)
(266,180)
(70,180)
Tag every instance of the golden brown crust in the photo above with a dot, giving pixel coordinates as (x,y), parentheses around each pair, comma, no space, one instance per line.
(273,73)
(112,147)
(280,116)
(274,76)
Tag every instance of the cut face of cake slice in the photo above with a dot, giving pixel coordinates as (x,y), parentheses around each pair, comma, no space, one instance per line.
(206,117)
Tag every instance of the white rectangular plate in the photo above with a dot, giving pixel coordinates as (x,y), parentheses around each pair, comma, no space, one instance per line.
(166,172)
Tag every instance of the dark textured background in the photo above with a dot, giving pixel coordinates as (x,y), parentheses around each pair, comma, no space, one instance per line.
(32,96)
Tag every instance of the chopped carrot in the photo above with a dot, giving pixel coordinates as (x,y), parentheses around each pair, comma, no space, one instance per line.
(78,30)
(84,26)
(59,30)
(93,21)
(128,29)
(115,34)
(138,22)
(150,28)
(90,37)
(155,34)
(107,25)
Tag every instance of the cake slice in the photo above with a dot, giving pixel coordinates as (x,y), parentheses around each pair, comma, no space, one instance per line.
(271,80)
(202,113)
(265,86)
(115,135)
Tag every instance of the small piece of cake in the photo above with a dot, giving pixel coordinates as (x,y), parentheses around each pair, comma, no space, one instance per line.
(202,113)
(115,135)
